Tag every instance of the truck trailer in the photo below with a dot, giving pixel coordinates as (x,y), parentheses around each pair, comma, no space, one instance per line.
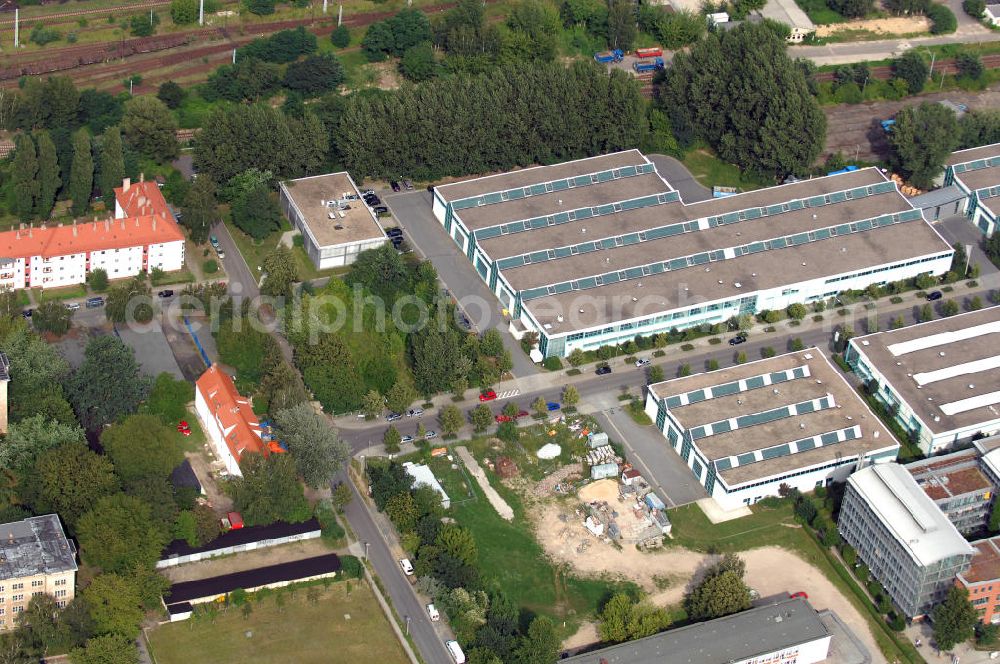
(641,66)
(607,57)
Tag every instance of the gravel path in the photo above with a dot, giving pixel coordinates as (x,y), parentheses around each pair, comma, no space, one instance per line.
(498,503)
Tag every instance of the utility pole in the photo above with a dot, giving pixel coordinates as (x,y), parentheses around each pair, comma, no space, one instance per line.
(201,12)
(340,16)
(234,56)
(17,27)
(408,617)
(324,6)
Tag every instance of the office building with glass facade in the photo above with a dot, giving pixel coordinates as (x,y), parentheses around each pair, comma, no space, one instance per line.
(598,251)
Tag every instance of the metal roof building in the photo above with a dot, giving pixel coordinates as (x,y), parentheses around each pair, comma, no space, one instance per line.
(907,542)
(977,173)
(790,630)
(747,429)
(940,378)
(597,251)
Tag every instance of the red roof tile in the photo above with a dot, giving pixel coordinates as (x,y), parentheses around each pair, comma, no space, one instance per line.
(235,415)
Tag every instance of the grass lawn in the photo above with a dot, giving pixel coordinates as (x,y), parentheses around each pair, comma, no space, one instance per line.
(67,293)
(711,171)
(182,276)
(298,633)
(819,12)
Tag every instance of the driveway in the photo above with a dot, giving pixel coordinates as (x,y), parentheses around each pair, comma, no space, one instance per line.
(680,178)
(413,213)
(959,229)
(884,49)
(649,452)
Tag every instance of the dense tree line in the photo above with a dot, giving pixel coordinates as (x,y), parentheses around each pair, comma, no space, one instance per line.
(283,46)
(741,93)
(513,116)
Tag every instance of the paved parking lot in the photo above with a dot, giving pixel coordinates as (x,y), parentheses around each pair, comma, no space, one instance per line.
(680,178)
(959,229)
(151,348)
(412,211)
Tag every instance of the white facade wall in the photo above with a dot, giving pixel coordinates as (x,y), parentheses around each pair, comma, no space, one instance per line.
(215,434)
(168,256)
(12,275)
(343,254)
(118,263)
(59,270)
(807,653)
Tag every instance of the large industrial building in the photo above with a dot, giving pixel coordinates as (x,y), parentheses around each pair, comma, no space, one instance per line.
(784,632)
(976,173)
(335,223)
(597,251)
(746,430)
(909,544)
(939,378)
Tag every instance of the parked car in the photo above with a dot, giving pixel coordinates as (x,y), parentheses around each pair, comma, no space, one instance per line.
(221,253)
(214,241)
(395,231)
(406,439)
(799,595)
(73,306)
(433,613)
(27,313)
(415,412)
(603,370)
(643,362)
(737,340)
(95,302)
(392,417)
(165,293)
(368,192)
(406,566)
(936,295)
(408,185)
(522,413)
(488,395)
(430,434)
(381,210)
(394,185)
(373,200)
(552,405)
(503,418)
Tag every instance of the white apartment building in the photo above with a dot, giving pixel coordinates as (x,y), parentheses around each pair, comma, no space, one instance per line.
(142,236)
(35,558)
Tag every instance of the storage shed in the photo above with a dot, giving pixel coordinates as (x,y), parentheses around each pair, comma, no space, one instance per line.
(596,439)
(603,470)
(653,501)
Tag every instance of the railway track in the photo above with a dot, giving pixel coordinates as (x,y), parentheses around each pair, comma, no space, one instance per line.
(884,72)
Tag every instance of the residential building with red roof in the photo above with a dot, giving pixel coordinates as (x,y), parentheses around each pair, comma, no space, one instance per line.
(143,235)
(228,419)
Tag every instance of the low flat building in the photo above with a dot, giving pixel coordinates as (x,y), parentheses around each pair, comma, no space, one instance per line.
(958,486)
(939,379)
(423,476)
(786,631)
(982,580)
(976,172)
(746,430)
(908,543)
(788,12)
(335,222)
(35,558)
(228,419)
(596,251)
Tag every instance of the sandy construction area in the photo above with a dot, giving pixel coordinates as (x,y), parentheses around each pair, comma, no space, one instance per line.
(896,25)
(667,573)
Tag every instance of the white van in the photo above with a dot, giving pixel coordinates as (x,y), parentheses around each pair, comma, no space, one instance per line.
(456,651)
(433,613)
(406,566)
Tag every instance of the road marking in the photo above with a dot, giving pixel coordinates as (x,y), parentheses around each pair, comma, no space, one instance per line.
(638,458)
(508,394)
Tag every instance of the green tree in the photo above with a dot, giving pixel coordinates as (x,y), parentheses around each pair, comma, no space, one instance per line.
(141,447)
(118,535)
(183,12)
(114,603)
(280,272)
(949,308)
(577,357)
(459,543)
(257,213)
(200,209)
(150,128)
(52,316)
(418,63)
(314,75)
(130,301)
(81,178)
(926,313)
(260,7)
(481,417)
(954,619)
(169,92)
(725,89)
(540,406)
(852,8)
(342,496)
(28,438)
(537,24)
(451,419)
(621,24)
(570,395)
(912,69)
(974,8)
(400,397)
(107,649)
(108,384)
(318,451)
(969,66)
(67,480)
(372,405)
(720,592)
(269,490)
(921,139)
(24,175)
(341,36)
(48,175)
(97,279)
(541,645)
(377,42)
(796,311)
(391,439)
(112,169)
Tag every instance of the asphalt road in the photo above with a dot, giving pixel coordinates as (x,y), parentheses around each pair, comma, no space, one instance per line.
(399,591)
(413,213)
(680,178)
(883,49)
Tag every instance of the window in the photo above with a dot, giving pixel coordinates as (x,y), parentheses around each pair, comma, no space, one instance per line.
(59,582)
(61,593)
(17,609)
(17,586)
(17,598)
(37,583)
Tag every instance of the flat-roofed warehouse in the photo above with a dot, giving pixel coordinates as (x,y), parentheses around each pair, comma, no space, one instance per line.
(976,172)
(335,223)
(746,430)
(597,251)
(939,378)
(786,631)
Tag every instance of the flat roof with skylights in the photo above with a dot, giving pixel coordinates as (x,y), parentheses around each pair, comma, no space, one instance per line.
(574,248)
(944,370)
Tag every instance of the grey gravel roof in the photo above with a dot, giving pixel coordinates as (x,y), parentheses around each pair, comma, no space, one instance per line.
(35,546)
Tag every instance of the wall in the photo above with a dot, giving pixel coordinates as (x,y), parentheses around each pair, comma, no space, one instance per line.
(214,433)
(807,653)
(250,546)
(16,593)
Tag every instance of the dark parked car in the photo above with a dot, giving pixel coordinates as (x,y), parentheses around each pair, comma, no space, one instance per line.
(27,313)
(94,302)
(737,340)
(372,199)
(394,185)
(394,232)
(407,185)
(392,417)
(936,295)
(603,370)
(165,293)
(380,210)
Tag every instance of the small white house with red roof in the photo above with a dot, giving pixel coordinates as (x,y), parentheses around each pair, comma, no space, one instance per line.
(143,235)
(228,419)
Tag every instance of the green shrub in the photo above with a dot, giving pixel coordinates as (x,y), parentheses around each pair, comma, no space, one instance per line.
(715,341)
(943,20)
(210,266)
(552,363)
(351,567)
(659,353)
(895,299)
(974,8)
(818,318)
(767,352)
(573,372)
(687,347)
(341,37)
(861,571)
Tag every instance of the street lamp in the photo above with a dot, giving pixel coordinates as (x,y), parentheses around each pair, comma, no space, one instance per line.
(366,551)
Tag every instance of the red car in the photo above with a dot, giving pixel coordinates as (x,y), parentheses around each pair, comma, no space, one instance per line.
(504,418)
(523,413)
(488,395)
(799,595)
